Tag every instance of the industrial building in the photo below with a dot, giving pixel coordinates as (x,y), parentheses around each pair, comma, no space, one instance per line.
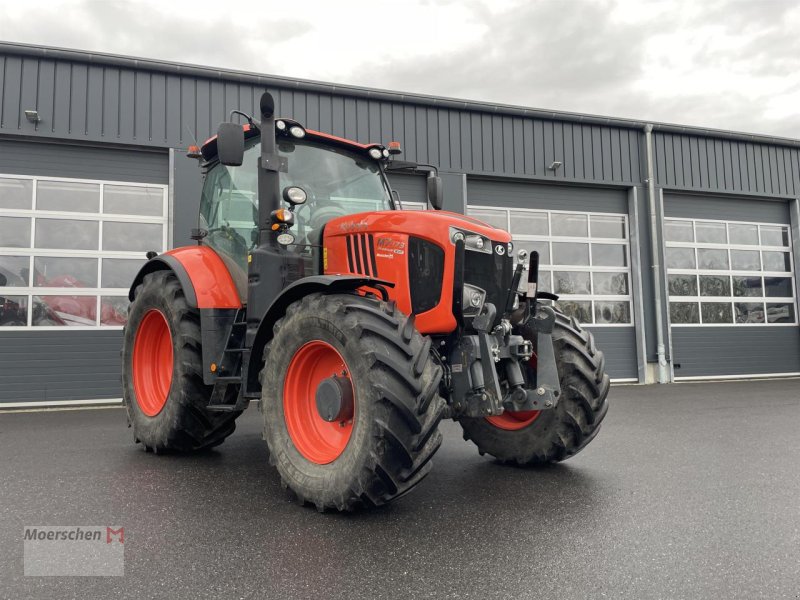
(674,245)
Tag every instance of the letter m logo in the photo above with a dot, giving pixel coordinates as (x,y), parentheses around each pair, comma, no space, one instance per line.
(118,533)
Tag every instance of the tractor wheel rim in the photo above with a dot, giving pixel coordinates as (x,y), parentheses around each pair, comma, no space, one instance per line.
(319,441)
(152,363)
(514,421)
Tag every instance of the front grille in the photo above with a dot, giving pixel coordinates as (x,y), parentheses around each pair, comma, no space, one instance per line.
(361,254)
(492,272)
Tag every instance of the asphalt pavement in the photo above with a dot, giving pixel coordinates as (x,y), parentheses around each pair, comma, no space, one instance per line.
(689,491)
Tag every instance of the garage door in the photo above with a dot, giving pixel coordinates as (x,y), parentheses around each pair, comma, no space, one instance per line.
(75,223)
(411,189)
(583,239)
(730,279)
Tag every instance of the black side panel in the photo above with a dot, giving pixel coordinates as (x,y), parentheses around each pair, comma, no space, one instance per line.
(425,273)
(491,272)
(49,366)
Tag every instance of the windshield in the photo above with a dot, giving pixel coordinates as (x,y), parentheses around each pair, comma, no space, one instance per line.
(337,182)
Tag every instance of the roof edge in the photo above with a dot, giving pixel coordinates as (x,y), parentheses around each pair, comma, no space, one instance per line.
(282,82)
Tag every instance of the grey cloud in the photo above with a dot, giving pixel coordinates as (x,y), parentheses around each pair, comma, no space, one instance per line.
(553,55)
(547,54)
(538,55)
(128,28)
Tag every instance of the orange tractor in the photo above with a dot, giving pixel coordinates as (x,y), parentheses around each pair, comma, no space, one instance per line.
(357,326)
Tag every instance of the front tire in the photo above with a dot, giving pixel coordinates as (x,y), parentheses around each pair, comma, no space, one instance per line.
(162,372)
(537,437)
(378,449)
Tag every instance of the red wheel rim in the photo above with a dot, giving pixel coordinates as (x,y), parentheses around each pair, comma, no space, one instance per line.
(319,441)
(513,421)
(152,363)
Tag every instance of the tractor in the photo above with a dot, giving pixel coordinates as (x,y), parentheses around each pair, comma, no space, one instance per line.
(356,325)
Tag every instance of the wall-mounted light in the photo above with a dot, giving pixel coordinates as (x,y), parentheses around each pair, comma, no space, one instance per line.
(554,166)
(33,116)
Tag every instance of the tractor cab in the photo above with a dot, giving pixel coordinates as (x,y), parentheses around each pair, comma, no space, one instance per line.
(322,177)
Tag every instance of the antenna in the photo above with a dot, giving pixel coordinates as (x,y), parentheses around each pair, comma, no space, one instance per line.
(191,135)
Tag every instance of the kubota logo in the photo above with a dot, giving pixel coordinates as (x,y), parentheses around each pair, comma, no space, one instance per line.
(500,249)
(353,225)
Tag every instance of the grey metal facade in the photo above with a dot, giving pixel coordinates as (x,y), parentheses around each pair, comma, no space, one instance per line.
(133,118)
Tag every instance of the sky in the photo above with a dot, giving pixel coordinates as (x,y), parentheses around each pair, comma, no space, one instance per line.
(727,64)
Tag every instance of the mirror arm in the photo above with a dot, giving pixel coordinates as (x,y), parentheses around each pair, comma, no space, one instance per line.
(251,120)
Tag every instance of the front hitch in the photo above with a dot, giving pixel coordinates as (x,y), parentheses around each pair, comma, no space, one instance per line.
(547,391)
(477,361)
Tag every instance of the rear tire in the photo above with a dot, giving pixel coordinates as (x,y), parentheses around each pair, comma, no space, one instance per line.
(392,430)
(169,412)
(553,435)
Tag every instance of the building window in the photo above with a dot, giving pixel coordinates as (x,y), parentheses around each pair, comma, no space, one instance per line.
(69,249)
(406,205)
(583,257)
(729,273)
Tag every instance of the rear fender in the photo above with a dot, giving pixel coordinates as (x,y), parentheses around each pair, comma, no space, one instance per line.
(327,284)
(205,279)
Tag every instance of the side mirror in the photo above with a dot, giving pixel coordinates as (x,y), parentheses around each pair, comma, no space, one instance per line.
(435,194)
(230,144)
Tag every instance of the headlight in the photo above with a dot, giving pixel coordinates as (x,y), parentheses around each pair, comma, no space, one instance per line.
(297,131)
(472,299)
(385,153)
(294,195)
(375,153)
(280,125)
(474,241)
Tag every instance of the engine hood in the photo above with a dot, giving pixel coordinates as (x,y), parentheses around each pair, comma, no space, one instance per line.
(432,225)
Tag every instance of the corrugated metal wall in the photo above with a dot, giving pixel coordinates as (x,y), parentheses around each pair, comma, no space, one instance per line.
(110,103)
(105,103)
(687,161)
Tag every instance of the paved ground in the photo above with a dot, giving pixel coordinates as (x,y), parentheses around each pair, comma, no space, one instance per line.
(690,491)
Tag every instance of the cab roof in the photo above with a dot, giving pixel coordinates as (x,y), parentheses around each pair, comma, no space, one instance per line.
(209,147)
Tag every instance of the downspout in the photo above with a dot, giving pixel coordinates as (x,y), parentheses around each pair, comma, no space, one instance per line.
(655,251)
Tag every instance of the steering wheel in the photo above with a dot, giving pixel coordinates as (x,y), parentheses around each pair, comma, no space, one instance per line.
(229,240)
(309,227)
(324,214)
